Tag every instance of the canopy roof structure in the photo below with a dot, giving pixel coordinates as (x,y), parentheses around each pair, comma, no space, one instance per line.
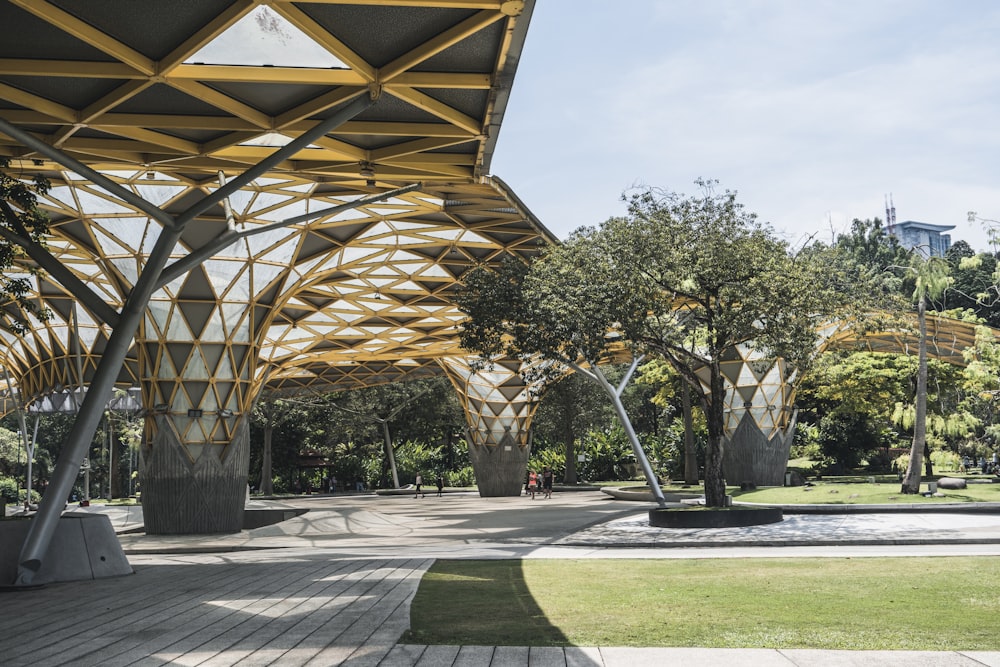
(355,240)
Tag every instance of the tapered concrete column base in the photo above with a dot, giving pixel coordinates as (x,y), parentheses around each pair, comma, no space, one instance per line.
(751,457)
(204,496)
(499,469)
(83,547)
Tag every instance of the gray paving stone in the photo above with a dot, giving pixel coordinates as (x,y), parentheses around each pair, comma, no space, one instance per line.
(473,656)
(403,655)
(546,656)
(510,656)
(438,656)
(988,658)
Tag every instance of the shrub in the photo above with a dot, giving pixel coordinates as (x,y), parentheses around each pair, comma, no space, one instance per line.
(946,460)
(460,478)
(8,490)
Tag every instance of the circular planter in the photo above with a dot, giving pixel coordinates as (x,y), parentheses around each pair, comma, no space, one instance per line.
(714,517)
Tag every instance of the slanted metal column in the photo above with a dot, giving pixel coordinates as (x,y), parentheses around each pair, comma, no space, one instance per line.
(75,448)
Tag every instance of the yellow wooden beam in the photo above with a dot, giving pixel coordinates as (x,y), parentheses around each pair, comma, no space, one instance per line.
(85,32)
(439,43)
(176,122)
(224,102)
(410,147)
(164,141)
(68,68)
(439,109)
(460,80)
(113,99)
(317,105)
(316,76)
(393,129)
(37,103)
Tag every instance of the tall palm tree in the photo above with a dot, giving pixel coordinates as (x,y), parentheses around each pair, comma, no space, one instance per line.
(932,280)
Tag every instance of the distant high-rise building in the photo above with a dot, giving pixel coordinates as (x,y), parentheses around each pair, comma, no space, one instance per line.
(922,235)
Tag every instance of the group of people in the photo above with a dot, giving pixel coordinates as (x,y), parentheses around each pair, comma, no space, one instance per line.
(531,487)
(986,466)
(419,482)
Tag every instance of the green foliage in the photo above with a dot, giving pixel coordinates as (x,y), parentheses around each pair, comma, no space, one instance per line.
(608,455)
(21,216)
(8,490)
(11,449)
(946,461)
(413,458)
(464,477)
(683,278)
(847,437)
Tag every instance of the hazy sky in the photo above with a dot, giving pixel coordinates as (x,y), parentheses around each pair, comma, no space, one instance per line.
(814,111)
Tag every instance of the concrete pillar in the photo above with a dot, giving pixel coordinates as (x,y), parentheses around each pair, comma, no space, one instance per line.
(498,410)
(197,357)
(760,418)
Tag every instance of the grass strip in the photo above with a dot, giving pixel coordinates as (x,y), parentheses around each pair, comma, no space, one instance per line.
(934,603)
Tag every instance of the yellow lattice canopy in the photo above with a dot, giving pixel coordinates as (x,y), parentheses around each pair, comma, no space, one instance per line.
(170,100)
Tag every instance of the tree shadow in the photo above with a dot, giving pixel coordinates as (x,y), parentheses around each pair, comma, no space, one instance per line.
(481,603)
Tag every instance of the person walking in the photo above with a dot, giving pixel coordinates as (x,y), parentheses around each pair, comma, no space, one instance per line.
(532,483)
(547,482)
(418,482)
(440,484)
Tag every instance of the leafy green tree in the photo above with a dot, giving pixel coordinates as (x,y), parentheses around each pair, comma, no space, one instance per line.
(684,278)
(555,313)
(698,275)
(20,220)
(10,452)
(674,394)
(871,248)
(568,410)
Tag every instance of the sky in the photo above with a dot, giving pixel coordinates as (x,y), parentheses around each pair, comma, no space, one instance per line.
(814,112)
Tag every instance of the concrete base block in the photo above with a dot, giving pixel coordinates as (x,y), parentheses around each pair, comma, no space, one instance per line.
(84,546)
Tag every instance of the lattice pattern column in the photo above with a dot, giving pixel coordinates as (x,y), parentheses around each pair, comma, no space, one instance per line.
(760,418)
(197,362)
(498,409)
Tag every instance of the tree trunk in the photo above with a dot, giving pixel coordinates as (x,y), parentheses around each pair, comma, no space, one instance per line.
(715,481)
(570,475)
(389,453)
(690,452)
(266,476)
(114,462)
(911,483)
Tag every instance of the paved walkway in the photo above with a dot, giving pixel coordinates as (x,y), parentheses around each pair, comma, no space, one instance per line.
(333,586)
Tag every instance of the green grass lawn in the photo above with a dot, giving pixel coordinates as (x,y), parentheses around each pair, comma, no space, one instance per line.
(829,603)
(841,492)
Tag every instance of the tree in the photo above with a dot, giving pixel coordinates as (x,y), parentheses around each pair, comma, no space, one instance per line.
(673,389)
(569,408)
(931,281)
(555,313)
(696,276)
(684,278)
(20,219)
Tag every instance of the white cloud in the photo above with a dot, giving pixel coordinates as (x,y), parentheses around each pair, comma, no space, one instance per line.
(813,111)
